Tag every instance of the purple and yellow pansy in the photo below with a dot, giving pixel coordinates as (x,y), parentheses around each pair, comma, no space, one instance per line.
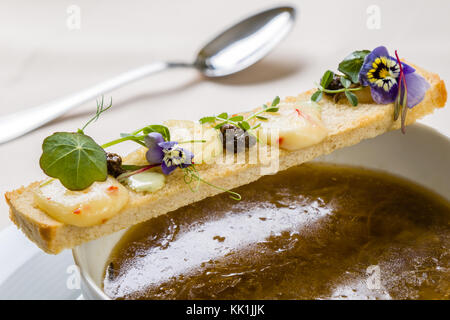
(389,80)
(169,154)
(383,74)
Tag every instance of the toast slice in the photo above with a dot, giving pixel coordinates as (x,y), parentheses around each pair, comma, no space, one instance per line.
(346,126)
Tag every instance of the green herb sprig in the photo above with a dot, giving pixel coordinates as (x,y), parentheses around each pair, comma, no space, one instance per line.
(349,79)
(240,121)
(100,110)
(346,84)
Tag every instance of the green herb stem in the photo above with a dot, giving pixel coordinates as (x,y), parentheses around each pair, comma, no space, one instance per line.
(341,90)
(255,115)
(233,195)
(100,110)
(138,131)
(127,138)
(191,141)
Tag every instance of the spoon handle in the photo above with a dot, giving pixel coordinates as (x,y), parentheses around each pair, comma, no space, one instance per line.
(23,121)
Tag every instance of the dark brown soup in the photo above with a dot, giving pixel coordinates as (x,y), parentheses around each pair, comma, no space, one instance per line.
(314,231)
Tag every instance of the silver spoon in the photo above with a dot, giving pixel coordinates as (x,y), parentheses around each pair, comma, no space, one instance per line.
(233,50)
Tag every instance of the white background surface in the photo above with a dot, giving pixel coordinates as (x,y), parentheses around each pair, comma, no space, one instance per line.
(41,59)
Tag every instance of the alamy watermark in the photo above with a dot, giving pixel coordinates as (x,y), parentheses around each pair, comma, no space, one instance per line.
(73,281)
(73,20)
(373,17)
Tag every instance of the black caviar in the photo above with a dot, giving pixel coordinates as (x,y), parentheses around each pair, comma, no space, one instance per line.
(235,139)
(114,164)
(335,84)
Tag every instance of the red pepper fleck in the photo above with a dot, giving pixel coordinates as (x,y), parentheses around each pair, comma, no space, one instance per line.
(77,211)
(113,188)
(280,140)
(48,198)
(306,116)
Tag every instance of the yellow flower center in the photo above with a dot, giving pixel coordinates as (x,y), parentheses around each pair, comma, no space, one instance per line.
(384,73)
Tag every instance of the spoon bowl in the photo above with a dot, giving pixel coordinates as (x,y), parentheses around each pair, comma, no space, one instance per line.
(245,43)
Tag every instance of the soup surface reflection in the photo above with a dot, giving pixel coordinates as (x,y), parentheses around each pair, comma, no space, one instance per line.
(313,231)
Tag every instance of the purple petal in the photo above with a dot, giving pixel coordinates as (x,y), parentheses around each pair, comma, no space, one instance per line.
(380,51)
(416,86)
(382,97)
(167,144)
(407,69)
(166,170)
(152,139)
(189,156)
(155,155)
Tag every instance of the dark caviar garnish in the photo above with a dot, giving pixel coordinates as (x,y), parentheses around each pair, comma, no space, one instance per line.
(114,164)
(335,84)
(235,139)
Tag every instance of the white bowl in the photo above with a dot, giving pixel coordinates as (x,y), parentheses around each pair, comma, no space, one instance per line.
(422,155)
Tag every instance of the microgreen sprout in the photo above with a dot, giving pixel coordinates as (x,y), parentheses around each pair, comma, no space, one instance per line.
(100,110)
(239,121)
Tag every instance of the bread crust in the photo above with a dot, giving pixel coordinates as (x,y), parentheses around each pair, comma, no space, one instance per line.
(346,126)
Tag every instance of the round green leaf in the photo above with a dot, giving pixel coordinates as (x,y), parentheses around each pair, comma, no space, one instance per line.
(73,158)
(352,64)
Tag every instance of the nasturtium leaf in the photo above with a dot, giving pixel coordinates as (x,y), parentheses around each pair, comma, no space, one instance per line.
(317,96)
(326,79)
(352,98)
(352,64)
(163,130)
(73,158)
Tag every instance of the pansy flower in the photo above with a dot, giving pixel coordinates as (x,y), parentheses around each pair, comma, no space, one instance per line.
(383,74)
(167,153)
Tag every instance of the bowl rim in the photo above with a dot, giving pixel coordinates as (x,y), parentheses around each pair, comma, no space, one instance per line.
(87,279)
(90,283)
